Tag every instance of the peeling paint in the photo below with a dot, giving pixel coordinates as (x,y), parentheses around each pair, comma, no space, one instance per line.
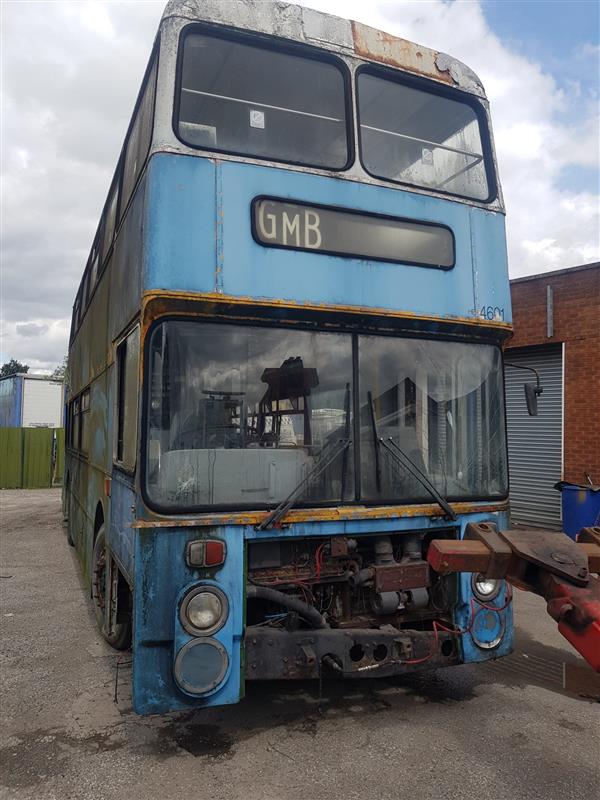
(295,516)
(290,21)
(156,304)
(461,75)
(387,49)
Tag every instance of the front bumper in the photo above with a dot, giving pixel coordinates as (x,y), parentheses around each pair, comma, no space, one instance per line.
(351,653)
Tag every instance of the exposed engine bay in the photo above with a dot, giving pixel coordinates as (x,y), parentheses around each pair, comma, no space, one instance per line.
(379,590)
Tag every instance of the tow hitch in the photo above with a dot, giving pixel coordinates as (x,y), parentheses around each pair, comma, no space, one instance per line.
(546,563)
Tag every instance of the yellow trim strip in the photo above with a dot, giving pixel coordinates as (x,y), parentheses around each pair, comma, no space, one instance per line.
(221,299)
(296,516)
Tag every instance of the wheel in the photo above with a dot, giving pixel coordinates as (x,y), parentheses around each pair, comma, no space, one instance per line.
(120,636)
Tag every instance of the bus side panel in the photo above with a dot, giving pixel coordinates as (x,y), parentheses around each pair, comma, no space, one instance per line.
(121,535)
(181,198)
(491,288)
(78,361)
(99,422)
(161,577)
(95,328)
(126,266)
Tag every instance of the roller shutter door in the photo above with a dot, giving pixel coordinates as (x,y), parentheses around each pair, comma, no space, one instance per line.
(535,443)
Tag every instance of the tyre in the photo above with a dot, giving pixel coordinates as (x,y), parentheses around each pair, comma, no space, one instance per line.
(120,636)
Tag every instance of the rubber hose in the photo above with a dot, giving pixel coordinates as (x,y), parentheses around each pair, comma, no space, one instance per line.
(309,613)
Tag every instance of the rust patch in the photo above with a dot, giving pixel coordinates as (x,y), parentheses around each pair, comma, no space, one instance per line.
(320,515)
(387,49)
(217,305)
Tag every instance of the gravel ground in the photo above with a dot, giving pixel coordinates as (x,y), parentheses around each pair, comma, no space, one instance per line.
(505,730)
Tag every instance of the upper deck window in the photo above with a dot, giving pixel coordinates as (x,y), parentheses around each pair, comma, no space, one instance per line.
(253,100)
(418,137)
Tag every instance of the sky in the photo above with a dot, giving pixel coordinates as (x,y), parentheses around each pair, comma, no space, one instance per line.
(71,72)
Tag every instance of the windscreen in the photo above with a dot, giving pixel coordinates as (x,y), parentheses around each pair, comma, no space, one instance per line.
(442,404)
(240,416)
(253,100)
(421,138)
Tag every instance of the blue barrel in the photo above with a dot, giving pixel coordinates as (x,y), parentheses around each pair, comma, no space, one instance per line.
(580,507)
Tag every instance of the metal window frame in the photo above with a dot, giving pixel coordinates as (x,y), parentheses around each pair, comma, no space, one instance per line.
(447,92)
(355,406)
(285,46)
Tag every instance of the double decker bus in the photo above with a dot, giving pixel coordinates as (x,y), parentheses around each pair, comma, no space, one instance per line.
(286,370)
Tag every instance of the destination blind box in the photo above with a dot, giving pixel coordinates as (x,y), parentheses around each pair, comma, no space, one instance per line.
(351,234)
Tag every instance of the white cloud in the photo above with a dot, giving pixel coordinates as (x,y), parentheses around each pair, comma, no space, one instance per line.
(538,133)
(70,77)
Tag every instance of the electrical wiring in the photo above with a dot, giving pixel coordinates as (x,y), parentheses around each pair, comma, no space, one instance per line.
(438,626)
(319,559)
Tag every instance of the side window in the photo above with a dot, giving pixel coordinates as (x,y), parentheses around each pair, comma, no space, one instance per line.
(85,293)
(94,259)
(75,318)
(140,137)
(127,366)
(111,216)
(84,421)
(75,426)
(69,425)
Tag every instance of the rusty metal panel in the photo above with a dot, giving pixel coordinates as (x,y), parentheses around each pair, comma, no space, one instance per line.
(401,576)
(380,46)
(447,555)
(500,550)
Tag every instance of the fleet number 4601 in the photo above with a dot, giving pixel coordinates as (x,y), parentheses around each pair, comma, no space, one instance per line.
(492,312)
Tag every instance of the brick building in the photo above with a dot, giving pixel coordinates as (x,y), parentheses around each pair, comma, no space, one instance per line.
(556,317)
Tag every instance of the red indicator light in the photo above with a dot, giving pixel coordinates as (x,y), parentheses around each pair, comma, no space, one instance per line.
(214,553)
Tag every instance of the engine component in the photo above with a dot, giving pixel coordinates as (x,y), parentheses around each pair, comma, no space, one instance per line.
(309,613)
(386,602)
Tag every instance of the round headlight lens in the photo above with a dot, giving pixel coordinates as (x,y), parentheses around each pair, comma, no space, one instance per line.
(485,589)
(201,666)
(204,610)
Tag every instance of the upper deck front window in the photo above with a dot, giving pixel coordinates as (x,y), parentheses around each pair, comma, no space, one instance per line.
(240,98)
(417,137)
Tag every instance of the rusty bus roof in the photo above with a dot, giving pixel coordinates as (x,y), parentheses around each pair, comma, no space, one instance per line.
(290,21)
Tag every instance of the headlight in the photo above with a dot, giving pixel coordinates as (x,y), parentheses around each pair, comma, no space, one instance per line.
(485,589)
(204,610)
(488,628)
(200,666)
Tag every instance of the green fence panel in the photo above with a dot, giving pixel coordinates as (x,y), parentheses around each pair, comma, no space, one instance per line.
(37,457)
(11,458)
(59,455)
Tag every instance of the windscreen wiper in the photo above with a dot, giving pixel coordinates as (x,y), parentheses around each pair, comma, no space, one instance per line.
(328,456)
(405,461)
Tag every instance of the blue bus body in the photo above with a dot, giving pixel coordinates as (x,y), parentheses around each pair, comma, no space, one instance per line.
(185,249)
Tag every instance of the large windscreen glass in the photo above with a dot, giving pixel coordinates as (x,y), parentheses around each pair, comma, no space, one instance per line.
(239,417)
(421,138)
(442,404)
(242,98)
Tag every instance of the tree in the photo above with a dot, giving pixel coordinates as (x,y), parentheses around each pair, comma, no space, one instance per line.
(12,367)
(61,369)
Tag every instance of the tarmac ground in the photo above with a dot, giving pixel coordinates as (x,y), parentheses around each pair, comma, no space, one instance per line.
(502,730)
